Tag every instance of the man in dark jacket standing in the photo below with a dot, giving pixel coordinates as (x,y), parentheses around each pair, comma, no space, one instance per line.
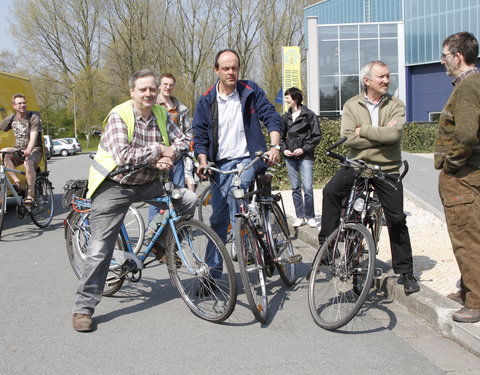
(227,131)
(457,155)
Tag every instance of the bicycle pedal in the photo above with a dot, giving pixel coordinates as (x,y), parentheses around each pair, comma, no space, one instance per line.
(378,273)
(297,258)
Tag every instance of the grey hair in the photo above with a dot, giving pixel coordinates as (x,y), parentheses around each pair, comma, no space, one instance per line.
(143,73)
(366,70)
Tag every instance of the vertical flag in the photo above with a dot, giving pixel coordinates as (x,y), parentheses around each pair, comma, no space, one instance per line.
(291,69)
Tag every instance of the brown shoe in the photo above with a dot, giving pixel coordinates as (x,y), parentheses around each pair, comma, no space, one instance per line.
(82,322)
(160,252)
(457,297)
(466,315)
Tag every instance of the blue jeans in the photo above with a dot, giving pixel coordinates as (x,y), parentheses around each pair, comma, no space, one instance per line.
(301,169)
(224,207)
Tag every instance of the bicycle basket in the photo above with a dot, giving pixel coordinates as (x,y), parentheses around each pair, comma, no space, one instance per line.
(73,187)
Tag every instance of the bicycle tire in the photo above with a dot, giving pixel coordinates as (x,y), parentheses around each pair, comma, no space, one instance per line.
(341,276)
(283,245)
(252,269)
(135,227)
(3,204)
(77,238)
(204,201)
(41,211)
(192,271)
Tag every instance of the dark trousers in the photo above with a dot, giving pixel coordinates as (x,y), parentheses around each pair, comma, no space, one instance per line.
(392,202)
(460,195)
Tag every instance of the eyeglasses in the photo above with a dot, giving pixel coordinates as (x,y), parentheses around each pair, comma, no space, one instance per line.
(444,56)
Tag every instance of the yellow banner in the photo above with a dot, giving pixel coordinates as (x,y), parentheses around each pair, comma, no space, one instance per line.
(292,73)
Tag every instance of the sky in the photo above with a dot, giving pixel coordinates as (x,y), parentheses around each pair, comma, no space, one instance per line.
(6,41)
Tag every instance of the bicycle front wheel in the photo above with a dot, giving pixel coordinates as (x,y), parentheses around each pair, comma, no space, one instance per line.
(3,204)
(41,210)
(341,276)
(77,241)
(202,271)
(283,245)
(252,269)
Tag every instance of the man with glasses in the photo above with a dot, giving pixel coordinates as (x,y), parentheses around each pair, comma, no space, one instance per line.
(457,155)
(27,127)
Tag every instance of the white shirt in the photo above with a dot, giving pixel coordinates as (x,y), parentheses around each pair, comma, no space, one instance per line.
(373,109)
(232,142)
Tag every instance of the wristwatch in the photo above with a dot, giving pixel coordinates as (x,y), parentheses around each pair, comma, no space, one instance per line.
(275,146)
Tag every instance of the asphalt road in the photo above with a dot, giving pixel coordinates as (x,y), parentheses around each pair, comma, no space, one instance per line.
(147,329)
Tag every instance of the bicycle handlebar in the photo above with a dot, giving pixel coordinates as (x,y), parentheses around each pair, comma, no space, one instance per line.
(258,155)
(360,164)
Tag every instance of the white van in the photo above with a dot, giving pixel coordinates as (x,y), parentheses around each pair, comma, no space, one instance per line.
(48,146)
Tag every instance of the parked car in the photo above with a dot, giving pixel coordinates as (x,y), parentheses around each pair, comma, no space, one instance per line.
(63,148)
(73,141)
(48,146)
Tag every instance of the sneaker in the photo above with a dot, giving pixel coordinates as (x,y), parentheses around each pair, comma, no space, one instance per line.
(457,297)
(82,322)
(312,223)
(410,284)
(466,315)
(207,287)
(299,222)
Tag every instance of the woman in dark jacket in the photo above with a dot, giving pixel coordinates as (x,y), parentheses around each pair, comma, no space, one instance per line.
(300,135)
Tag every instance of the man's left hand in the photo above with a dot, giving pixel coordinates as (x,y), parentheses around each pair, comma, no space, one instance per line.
(273,156)
(164,163)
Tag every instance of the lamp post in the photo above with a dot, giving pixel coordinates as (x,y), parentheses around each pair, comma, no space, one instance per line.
(74,111)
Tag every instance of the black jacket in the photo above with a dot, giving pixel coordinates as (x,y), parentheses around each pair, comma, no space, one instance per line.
(304,133)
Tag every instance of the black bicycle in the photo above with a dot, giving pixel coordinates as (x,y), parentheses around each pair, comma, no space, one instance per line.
(344,267)
(262,238)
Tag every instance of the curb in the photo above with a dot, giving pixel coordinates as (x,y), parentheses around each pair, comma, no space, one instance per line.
(427,305)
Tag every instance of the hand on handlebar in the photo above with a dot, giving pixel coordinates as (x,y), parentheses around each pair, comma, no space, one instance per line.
(273,156)
(164,163)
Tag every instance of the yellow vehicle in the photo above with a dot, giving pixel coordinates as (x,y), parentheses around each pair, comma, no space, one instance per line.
(10,85)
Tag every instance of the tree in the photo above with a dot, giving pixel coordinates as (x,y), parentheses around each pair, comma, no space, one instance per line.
(63,37)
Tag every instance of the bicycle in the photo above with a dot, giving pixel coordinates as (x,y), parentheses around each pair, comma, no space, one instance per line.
(262,238)
(41,209)
(186,241)
(344,267)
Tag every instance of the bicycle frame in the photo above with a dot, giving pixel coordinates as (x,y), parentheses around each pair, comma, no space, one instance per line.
(9,185)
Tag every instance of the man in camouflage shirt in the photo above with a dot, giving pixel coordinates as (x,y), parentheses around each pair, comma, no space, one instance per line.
(27,127)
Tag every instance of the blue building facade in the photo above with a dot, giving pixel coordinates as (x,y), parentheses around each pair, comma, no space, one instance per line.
(342,35)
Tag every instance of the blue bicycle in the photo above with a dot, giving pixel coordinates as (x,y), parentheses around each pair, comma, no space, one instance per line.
(191,247)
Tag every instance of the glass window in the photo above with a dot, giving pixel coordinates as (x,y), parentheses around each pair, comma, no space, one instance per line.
(350,88)
(368,31)
(388,30)
(349,57)
(368,51)
(393,88)
(389,53)
(329,94)
(328,58)
(433,116)
(349,32)
(327,32)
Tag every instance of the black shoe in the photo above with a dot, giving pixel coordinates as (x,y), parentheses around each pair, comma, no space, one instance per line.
(410,284)
(207,287)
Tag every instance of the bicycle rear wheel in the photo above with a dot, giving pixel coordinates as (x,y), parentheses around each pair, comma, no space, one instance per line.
(41,211)
(135,227)
(3,204)
(341,276)
(252,269)
(210,291)
(283,245)
(77,240)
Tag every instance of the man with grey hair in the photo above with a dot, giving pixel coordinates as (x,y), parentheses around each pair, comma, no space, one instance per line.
(137,131)
(372,122)
(457,155)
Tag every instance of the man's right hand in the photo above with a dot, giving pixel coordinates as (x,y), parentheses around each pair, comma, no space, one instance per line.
(202,165)
(168,152)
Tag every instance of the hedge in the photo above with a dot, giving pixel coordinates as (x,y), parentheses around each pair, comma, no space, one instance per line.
(417,137)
